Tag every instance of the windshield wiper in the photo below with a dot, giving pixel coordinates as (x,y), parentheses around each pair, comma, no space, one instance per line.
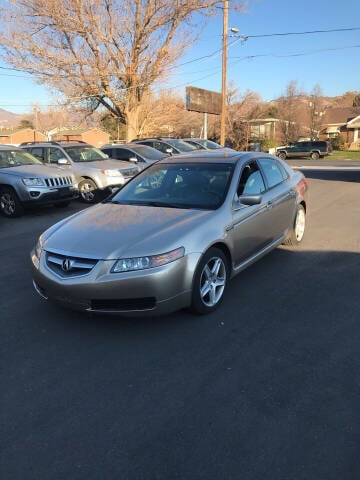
(164,204)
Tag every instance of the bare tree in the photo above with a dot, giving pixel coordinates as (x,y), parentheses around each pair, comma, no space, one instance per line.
(315,110)
(288,112)
(105,52)
(241,109)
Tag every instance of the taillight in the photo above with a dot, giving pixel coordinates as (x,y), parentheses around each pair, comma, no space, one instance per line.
(301,187)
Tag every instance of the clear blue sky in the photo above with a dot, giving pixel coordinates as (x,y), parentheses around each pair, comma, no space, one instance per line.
(262,64)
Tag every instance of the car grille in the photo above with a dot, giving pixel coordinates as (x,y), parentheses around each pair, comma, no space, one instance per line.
(68,266)
(58,181)
(129,172)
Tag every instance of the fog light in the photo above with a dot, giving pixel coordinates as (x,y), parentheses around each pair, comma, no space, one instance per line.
(34,194)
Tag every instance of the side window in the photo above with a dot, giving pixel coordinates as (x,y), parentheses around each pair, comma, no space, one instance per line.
(123,154)
(282,170)
(38,153)
(108,152)
(251,181)
(161,146)
(55,154)
(272,171)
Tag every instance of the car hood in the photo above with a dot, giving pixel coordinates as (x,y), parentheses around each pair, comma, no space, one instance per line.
(109,165)
(111,231)
(31,171)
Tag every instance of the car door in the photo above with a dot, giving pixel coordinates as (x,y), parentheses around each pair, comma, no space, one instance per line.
(38,152)
(250,223)
(279,197)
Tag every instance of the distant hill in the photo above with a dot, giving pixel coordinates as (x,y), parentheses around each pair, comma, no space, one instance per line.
(9,119)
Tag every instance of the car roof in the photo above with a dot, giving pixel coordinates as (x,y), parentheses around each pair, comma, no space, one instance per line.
(57,144)
(215,157)
(126,145)
(9,147)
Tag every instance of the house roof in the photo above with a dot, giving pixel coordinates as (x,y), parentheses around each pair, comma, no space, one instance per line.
(78,131)
(339,115)
(354,123)
(12,131)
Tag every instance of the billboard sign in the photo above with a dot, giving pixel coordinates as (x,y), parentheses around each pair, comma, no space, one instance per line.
(203,101)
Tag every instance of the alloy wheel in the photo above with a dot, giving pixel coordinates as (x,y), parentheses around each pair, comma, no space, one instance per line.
(212,281)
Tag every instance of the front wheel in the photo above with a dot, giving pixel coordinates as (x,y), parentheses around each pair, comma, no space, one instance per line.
(210,280)
(10,205)
(314,156)
(297,232)
(282,155)
(88,191)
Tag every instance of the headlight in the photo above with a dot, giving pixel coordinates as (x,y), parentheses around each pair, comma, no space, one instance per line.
(111,173)
(38,249)
(143,263)
(33,182)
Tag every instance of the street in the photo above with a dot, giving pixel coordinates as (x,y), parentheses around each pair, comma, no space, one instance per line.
(267,387)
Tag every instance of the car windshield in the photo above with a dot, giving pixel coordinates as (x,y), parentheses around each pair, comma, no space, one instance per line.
(181,145)
(17,158)
(180,185)
(85,154)
(148,152)
(208,143)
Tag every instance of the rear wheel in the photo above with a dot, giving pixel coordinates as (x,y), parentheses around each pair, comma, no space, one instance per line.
(282,155)
(314,156)
(10,205)
(296,234)
(210,281)
(88,191)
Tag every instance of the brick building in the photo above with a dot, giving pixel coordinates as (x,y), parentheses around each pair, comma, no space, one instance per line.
(15,137)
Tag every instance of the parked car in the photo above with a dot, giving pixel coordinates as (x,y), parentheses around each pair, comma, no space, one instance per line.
(27,182)
(142,155)
(95,173)
(205,144)
(171,146)
(173,236)
(314,150)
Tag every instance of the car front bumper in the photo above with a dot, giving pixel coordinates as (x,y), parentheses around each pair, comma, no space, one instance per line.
(43,196)
(147,292)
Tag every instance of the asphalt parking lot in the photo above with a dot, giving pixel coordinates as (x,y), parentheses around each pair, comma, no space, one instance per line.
(267,387)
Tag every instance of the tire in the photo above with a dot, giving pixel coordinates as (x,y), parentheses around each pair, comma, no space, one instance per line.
(209,283)
(296,234)
(282,155)
(88,191)
(10,205)
(314,156)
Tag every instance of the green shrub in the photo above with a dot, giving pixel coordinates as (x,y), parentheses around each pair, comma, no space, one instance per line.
(338,143)
(268,143)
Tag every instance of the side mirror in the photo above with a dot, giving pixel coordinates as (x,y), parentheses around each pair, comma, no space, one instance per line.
(63,161)
(250,200)
(133,159)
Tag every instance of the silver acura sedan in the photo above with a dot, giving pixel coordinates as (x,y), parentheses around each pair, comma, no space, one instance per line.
(173,236)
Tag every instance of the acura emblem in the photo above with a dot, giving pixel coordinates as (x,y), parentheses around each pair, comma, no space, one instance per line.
(66,265)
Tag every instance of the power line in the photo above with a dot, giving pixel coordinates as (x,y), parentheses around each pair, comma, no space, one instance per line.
(308,32)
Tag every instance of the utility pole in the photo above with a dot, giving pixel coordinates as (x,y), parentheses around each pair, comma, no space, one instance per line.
(224,62)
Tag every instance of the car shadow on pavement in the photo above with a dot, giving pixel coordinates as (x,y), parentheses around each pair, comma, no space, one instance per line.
(287,284)
(334,175)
